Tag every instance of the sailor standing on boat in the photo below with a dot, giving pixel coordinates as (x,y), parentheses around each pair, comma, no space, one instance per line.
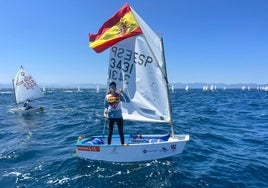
(113,111)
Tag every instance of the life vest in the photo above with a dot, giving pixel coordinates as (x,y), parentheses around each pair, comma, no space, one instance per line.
(114,101)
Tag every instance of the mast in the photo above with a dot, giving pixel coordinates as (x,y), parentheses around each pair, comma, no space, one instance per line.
(14,92)
(167,89)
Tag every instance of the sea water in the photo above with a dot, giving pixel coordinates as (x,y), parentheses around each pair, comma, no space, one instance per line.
(228,144)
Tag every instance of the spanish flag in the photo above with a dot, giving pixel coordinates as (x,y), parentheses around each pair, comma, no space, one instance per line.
(119,27)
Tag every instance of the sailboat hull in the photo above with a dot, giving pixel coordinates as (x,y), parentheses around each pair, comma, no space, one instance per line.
(150,147)
(31,110)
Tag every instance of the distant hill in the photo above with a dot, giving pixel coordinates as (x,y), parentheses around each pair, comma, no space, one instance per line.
(218,85)
(175,85)
(63,85)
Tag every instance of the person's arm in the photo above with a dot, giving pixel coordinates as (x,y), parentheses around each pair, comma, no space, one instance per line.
(124,97)
(106,105)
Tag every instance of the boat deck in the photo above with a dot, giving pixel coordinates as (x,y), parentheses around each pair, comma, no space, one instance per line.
(129,139)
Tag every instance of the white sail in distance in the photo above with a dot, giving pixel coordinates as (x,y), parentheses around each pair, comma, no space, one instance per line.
(25,87)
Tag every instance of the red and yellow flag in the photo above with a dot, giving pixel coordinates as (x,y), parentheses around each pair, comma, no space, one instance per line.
(119,27)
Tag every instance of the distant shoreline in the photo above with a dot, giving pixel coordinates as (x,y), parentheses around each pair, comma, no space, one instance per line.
(173,85)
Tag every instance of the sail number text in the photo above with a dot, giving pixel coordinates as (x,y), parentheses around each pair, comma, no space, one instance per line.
(122,62)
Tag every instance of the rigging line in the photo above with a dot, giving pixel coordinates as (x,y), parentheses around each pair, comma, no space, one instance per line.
(14,92)
(167,88)
(104,125)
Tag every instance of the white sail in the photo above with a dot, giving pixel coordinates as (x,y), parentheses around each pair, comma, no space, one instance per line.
(186,88)
(97,88)
(26,87)
(137,66)
(78,89)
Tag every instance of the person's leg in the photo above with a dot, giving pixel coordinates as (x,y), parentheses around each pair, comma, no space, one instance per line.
(121,130)
(110,130)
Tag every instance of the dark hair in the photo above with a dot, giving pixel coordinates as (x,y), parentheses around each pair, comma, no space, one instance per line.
(112,83)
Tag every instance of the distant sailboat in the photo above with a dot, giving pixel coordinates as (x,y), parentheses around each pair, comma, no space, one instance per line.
(205,88)
(245,88)
(172,89)
(25,90)
(186,88)
(263,88)
(97,88)
(211,87)
(78,89)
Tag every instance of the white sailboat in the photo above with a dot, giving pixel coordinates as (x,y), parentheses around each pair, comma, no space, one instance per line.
(26,89)
(97,88)
(137,65)
(78,89)
(172,89)
(186,88)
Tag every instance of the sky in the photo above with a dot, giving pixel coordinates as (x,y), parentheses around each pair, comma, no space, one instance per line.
(211,41)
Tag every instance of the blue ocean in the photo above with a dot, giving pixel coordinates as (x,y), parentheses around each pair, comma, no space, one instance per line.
(228,144)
